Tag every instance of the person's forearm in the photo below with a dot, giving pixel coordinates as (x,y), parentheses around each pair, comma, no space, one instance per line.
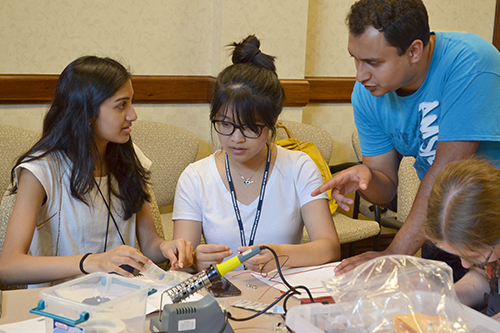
(410,237)
(471,288)
(152,249)
(381,189)
(26,269)
(313,253)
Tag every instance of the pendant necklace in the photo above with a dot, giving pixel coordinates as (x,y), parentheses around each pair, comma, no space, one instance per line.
(248,181)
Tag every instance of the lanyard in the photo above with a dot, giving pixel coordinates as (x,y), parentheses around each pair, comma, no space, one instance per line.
(259,205)
(108,206)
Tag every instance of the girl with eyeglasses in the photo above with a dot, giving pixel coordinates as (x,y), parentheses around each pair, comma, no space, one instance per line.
(82,200)
(251,191)
(463,218)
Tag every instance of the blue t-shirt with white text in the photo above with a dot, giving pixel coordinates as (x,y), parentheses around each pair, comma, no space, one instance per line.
(459,100)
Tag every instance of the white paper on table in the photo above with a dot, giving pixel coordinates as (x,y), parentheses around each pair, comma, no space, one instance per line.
(153,303)
(35,325)
(311,277)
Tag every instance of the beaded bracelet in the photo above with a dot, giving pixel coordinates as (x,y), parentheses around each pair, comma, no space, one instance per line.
(81,262)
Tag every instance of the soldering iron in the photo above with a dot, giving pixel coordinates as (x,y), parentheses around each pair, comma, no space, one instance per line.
(209,276)
(199,315)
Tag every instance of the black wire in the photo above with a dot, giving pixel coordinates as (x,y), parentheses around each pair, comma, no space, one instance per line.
(265,247)
(272,259)
(226,319)
(286,326)
(264,310)
(284,302)
(296,292)
(291,290)
(262,247)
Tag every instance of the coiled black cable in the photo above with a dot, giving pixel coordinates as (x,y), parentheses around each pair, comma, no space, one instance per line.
(290,292)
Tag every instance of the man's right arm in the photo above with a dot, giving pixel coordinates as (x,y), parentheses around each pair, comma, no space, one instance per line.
(410,237)
(384,182)
(375,179)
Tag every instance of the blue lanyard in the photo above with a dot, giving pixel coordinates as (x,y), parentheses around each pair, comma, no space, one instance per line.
(259,205)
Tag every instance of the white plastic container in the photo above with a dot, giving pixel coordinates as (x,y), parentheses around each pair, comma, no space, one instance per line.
(95,303)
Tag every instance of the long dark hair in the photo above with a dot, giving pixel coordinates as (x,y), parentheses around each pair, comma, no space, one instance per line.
(250,87)
(68,128)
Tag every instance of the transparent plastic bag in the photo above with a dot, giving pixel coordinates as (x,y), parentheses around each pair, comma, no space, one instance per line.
(158,275)
(398,294)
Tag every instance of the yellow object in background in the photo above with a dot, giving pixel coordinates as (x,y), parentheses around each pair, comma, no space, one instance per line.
(291,143)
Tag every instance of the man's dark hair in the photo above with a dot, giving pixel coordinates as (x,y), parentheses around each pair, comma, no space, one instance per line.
(401,21)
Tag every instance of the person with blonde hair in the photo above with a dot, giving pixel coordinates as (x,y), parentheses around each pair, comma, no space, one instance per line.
(463,218)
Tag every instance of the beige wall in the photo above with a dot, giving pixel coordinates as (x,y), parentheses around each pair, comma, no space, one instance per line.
(168,37)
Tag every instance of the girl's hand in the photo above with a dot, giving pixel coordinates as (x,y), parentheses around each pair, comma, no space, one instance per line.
(110,261)
(263,262)
(210,254)
(179,252)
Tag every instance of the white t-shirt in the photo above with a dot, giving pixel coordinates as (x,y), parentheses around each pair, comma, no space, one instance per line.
(67,226)
(202,196)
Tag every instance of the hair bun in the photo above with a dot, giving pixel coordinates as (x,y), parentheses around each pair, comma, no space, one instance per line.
(247,51)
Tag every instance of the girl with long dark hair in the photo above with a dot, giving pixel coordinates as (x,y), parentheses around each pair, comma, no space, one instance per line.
(82,197)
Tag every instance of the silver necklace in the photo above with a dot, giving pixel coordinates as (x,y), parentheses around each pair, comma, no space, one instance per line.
(248,181)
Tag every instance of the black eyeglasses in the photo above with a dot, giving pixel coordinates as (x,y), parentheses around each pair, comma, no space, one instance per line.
(227,128)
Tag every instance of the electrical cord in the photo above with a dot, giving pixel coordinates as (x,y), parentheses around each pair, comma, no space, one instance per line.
(278,267)
(283,316)
(266,274)
(287,293)
(290,292)
(226,318)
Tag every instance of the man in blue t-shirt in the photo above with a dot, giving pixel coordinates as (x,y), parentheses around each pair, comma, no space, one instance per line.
(434,96)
